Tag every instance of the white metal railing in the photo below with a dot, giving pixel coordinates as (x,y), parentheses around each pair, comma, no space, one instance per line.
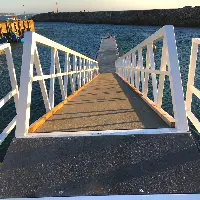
(82,70)
(133,71)
(14,93)
(191,89)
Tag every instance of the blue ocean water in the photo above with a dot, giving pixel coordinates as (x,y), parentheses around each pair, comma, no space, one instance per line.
(85,38)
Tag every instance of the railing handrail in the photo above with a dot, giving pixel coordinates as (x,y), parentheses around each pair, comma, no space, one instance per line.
(126,65)
(14,91)
(82,70)
(45,41)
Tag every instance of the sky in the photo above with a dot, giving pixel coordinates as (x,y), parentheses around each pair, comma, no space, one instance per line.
(38,6)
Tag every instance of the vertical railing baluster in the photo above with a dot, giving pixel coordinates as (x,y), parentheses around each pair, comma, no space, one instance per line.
(137,75)
(146,82)
(90,70)
(80,68)
(84,73)
(97,65)
(131,70)
(73,75)
(152,66)
(140,63)
(87,73)
(191,74)
(133,67)
(162,77)
(70,70)
(52,80)
(92,67)
(76,73)
(126,69)
(66,70)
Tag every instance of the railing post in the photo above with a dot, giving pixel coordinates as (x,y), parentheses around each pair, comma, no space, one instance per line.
(91,67)
(122,67)
(89,64)
(125,68)
(73,76)
(140,63)
(89,70)
(146,83)
(84,73)
(66,70)
(162,77)
(129,69)
(76,74)
(191,74)
(133,67)
(152,66)
(87,73)
(97,65)
(23,115)
(52,81)
(80,75)
(137,75)
(70,70)
(175,81)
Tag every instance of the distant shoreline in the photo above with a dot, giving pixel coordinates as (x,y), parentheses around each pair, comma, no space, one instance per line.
(182,17)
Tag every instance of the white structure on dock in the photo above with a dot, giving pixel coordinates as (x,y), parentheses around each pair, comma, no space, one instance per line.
(132,75)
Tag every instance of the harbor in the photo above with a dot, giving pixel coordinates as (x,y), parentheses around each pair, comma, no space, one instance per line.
(106,137)
(99,104)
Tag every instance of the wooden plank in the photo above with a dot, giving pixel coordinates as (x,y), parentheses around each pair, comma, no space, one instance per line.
(45,117)
(164,115)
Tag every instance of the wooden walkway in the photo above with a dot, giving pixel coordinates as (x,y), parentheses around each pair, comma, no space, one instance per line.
(107,103)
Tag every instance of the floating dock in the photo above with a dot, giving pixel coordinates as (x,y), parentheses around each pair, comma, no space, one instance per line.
(106,138)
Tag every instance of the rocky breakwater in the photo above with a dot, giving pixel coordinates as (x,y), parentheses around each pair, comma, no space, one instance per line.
(187,16)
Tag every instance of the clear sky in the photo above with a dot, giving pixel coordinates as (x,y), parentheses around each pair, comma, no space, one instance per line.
(37,6)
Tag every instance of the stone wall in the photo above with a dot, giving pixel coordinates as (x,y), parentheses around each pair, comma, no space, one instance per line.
(187,16)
